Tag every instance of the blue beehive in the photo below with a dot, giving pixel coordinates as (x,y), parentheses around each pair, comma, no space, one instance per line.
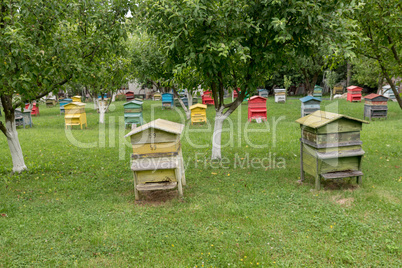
(317,92)
(263,93)
(167,100)
(309,105)
(63,102)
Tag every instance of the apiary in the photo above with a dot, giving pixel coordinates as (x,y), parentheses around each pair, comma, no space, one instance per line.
(375,106)
(76,99)
(309,105)
(75,114)
(280,95)
(63,102)
(257,108)
(167,100)
(317,92)
(157,96)
(129,96)
(330,146)
(157,161)
(133,113)
(354,93)
(198,113)
(207,98)
(337,90)
(263,93)
(23,117)
(50,103)
(34,109)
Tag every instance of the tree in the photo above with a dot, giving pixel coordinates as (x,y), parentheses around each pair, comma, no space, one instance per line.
(381,38)
(330,80)
(42,48)
(234,44)
(367,72)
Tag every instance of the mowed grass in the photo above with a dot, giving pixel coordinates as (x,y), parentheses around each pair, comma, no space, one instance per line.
(75,206)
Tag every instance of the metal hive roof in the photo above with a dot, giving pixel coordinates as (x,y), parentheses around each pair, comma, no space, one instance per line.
(322,118)
(161,124)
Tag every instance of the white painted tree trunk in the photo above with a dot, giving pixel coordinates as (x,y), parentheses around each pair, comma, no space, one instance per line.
(30,106)
(102,110)
(113,97)
(95,102)
(15,147)
(217,135)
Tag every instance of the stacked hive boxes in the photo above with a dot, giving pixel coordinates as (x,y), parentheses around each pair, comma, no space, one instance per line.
(198,113)
(389,93)
(51,102)
(317,92)
(129,96)
(133,113)
(375,106)
(75,114)
(338,90)
(309,105)
(354,93)
(157,96)
(257,108)
(330,146)
(207,98)
(34,110)
(63,102)
(157,159)
(263,93)
(280,95)
(23,117)
(76,98)
(167,100)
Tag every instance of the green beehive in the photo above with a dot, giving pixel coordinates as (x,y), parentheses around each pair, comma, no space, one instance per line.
(133,113)
(330,146)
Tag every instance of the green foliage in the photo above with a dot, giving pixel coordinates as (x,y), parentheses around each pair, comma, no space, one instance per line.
(331,79)
(366,71)
(287,81)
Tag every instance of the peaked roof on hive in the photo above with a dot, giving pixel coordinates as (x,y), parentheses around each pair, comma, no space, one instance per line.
(355,87)
(78,96)
(256,97)
(322,118)
(373,96)
(134,101)
(309,98)
(161,124)
(198,105)
(75,103)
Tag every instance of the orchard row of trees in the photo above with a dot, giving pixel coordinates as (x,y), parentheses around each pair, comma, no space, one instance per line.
(217,44)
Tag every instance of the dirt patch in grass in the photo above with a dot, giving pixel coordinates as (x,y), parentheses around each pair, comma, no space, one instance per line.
(340,185)
(157,198)
(346,202)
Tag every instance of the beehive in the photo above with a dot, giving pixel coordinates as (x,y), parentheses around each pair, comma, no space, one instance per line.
(34,110)
(63,102)
(375,106)
(157,157)
(75,114)
(157,96)
(167,100)
(309,105)
(388,92)
(330,146)
(198,113)
(76,99)
(139,96)
(184,100)
(129,96)
(337,90)
(51,102)
(263,93)
(23,117)
(280,95)
(317,92)
(207,98)
(354,93)
(133,113)
(257,108)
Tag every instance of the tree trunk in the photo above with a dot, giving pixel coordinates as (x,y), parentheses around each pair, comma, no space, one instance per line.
(217,135)
(379,87)
(102,110)
(186,110)
(114,97)
(348,73)
(10,131)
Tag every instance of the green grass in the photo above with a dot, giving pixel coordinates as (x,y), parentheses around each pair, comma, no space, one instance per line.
(75,206)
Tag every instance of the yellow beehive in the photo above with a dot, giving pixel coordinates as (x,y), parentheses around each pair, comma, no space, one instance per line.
(76,98)
(198,113)
(157,157)
(75,114)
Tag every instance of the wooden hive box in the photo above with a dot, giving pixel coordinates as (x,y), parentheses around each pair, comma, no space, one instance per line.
(388,92)
(157,96)
(354,93)
(63,102)
(75,114)
(157,157)
(133,113)
(34,110)
(198,113)
(51,102)
(139,96)
(76,99)
(337,90)
(167,100)
(317,92)
(330,146)
(207,98)
(375,106)
(280,95)
(263,93)
(257,108)
(129,95)
(309,105)
(23,117)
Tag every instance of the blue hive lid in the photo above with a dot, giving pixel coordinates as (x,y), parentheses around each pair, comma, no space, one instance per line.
(309,98)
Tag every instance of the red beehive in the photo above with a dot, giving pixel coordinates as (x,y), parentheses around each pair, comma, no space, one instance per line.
(257,108)
(129,96)
(35,109)
(354,93)
(207,98)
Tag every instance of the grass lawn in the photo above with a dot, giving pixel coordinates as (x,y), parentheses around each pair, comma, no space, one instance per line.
(75,206)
